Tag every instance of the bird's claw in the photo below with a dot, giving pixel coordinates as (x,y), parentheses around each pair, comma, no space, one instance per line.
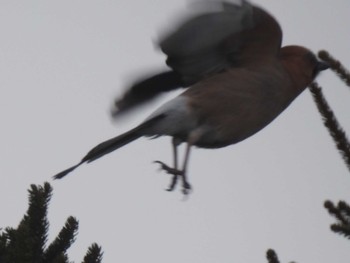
(168,169)
(186,187)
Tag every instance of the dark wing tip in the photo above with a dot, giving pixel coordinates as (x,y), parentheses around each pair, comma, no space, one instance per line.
(65,172)
(147,89)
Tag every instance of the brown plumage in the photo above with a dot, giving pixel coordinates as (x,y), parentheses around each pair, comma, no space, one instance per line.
(239,76)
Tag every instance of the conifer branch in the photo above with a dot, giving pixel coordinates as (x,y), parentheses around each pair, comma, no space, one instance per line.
(27,243)
(94,254)
(272,256)
(330,121)
(342,213)
(63,241)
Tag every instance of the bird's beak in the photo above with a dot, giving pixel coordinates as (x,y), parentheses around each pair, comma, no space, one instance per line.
(321,65)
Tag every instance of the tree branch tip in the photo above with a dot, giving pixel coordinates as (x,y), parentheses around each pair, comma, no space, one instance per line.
(328,204)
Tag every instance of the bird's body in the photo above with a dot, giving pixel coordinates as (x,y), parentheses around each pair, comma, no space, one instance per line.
(239,79)
(250,98)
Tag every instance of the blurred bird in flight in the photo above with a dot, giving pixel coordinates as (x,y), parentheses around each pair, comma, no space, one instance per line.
(237,77)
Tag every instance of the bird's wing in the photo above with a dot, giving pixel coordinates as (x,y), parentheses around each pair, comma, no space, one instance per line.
(196,49)
(146,89)
(206,44)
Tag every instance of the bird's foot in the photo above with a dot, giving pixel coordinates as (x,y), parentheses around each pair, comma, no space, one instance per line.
(186,187)
(168,169)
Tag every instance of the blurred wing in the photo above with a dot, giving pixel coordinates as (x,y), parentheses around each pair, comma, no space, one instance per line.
(196,48)
(147,89)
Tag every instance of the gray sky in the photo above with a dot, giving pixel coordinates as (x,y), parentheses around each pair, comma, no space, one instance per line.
(61,65)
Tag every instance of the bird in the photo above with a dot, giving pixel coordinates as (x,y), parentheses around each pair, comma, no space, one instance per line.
(237,79)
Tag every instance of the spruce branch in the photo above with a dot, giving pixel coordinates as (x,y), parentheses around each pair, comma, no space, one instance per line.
(36,217)
(63,241)
(336,66)
(94,254)
(61,259)
(27,242)
(334,211)
(272,256)
(342,213)
(330,121)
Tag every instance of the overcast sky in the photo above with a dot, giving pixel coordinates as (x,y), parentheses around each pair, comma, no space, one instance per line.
(61,65)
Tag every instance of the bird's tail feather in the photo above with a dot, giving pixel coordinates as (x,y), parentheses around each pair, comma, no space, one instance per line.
(111,145)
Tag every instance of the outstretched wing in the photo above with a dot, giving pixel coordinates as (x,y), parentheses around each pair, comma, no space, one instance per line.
(146,89)
(196,48)
(207,44)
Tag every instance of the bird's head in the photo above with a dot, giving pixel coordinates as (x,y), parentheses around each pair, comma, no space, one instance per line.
(302,65)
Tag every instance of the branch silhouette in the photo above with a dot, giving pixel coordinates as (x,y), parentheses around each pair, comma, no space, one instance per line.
(27,242)
(336,66)
(272,256)
(332,124)
(341,212)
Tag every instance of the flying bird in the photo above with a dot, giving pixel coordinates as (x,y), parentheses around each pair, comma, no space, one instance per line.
(237,78)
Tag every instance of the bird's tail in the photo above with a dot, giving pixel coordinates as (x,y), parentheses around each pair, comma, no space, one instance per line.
(111,145)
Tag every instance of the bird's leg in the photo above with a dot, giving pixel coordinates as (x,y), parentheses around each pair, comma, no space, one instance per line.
(175,143)
(191,140)
(186,187)
(172,170)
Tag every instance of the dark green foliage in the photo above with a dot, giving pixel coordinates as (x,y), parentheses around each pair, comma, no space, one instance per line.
(94,254)
(331,123)
(27,242)
(272,256)
(342,213)
(63,241)
(326,112)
